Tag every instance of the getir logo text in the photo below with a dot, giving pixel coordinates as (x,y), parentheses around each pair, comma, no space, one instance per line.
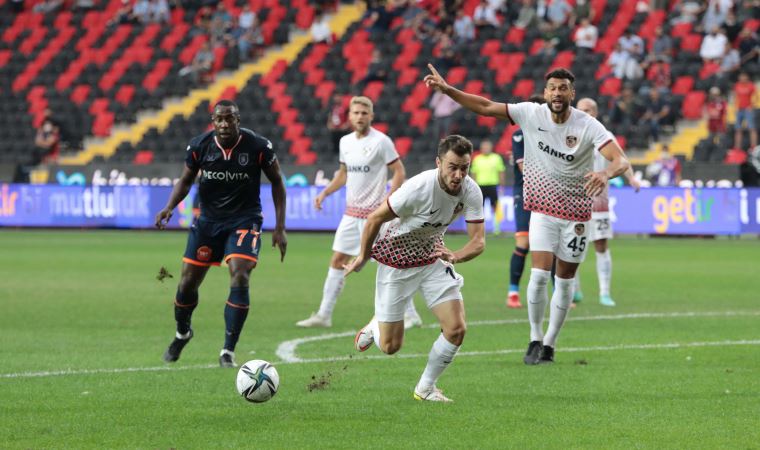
(690,207)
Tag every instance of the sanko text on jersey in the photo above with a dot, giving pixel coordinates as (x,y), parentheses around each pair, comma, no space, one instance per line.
(563,156)
(362,169)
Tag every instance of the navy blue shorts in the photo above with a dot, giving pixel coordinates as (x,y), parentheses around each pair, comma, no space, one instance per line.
(522,218)
(211,242)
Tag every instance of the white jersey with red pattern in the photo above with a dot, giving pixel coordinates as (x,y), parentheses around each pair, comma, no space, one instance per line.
(557,156)
(366,159)
(424,211)
(601,206)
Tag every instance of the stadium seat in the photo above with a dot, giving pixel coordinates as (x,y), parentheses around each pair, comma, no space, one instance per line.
(692,105)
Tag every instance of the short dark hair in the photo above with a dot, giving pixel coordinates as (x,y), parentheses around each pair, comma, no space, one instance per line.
(227,103)
(561,73)
(460,145)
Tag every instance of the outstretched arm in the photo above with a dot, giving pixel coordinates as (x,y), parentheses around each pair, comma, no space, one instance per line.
(279,237)
(475,103)
(179,192)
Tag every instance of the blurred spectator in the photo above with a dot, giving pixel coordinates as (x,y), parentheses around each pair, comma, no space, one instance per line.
(729,65)
(586,36)
(377,70)
(47,143)
(200,68)
(732,27)
(749,47)
(715,113)
(380,19)
(464,28)
(337,121)
(446,55)
(424,27)
(642,7)
(659,78)
(582,10)
(247,17)
(123,15)
(625,109)
(485,16)
(320,30)
(632,43)
(527,16)
(748,10)
(558,13)
(745,96)
(656,112)
(662,45)
(713,46)
(221,13)
(159,11)
(443,110)
(715,14)
(141,11)
(688,11)
(47,6)
(666,170)
(84,5)
(250,41)
(623,65)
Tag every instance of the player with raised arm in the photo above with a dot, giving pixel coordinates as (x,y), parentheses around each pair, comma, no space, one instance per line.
(230,160)
(522,217)
(412,257)
(560,184)
(366,154)
(601,227)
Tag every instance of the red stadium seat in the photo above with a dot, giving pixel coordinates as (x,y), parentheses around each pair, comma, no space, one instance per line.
(403,145)
(456,76)
(692,106)
(523,89)
(691,43)
(683,85)
(611,87)
(143,158)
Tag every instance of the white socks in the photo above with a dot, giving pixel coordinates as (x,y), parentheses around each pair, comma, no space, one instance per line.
(604,271)
(537,302)
(439,358)
(560,305)
(333,287)
(577,280)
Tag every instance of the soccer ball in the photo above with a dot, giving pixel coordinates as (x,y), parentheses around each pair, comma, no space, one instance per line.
(257,381)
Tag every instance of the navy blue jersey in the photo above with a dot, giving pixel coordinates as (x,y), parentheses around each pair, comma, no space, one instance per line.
(518,154)
(230,179)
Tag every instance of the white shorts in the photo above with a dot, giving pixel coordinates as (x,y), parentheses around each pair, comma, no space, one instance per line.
(567,239)
(601,227)
(348,236)
(394,288)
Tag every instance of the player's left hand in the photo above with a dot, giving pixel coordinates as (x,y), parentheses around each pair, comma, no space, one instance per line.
(280,239)
(595,183)
(445,254)
(635,184)
(355,265)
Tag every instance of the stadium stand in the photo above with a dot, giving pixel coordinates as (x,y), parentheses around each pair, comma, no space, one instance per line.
(93,76)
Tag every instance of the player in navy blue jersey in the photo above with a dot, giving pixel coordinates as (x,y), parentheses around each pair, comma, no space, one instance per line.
(229,160)
(522,218)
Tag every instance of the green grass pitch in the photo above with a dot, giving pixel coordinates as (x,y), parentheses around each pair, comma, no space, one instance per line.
(84,322)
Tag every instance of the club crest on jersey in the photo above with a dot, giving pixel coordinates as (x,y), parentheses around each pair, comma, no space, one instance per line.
(571,141)
(243,159)
(579,229)
(458,209)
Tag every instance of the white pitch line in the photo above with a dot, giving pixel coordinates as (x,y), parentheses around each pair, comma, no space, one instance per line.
(286,351)
(671,345)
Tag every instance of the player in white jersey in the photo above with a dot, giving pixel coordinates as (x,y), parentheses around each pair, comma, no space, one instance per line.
(365,156)
(412,257)
(560,184)
(601,227)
